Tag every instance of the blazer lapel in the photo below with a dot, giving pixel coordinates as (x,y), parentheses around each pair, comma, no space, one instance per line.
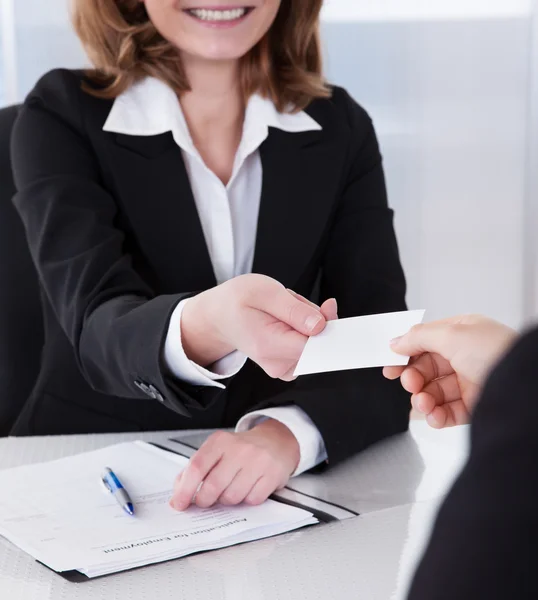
(301,175)
(160,206)
(300,181)
(151,146)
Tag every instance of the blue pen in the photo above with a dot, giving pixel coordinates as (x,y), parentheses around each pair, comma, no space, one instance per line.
(114,486)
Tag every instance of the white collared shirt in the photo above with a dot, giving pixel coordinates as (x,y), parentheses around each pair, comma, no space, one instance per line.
(229,218)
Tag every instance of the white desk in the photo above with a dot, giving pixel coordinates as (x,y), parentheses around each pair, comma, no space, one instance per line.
(370,557)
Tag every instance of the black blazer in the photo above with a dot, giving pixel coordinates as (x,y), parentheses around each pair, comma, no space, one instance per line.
(484,542)
(115,234)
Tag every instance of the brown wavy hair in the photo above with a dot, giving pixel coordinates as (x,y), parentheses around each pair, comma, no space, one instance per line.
(125,47)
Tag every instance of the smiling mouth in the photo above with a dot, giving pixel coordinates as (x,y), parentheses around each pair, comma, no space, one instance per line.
(228,15)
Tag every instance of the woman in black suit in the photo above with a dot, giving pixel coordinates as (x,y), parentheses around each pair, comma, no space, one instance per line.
(172,197)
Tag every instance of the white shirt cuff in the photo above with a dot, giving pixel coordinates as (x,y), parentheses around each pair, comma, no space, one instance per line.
(311,444)
(185,369)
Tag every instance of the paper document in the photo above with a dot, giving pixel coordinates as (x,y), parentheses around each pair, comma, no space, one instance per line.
(357,343)
(58,512)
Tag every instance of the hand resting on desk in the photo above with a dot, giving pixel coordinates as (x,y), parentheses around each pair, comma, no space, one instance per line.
(231,468)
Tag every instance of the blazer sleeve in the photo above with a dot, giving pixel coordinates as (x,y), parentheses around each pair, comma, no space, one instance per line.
(483,544)
(361,269)
(114,320)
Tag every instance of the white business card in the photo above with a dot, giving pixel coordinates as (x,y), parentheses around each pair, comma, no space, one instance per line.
(357,343)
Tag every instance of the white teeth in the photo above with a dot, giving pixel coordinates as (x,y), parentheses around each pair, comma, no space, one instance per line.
(218,15)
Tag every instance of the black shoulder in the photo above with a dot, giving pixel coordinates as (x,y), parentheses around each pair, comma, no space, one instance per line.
(341,110)
(61,92)
(58,92)
(515,375)
(56,86)
(356,114)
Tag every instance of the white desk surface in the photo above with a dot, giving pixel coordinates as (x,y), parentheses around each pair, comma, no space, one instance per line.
(395,485)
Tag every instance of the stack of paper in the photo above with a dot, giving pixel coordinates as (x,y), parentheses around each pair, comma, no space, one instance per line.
(59,513)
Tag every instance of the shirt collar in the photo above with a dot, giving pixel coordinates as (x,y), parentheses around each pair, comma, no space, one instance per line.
(150,107)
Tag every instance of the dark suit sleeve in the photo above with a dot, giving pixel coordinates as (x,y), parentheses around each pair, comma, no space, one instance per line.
(361,269)
(484,541)
(114,320)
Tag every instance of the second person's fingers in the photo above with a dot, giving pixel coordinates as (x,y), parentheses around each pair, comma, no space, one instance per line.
(393,372)
(423,403)
(445,389)
(436,337)
(412,380)
(455,412)
(438,418)
(424,369)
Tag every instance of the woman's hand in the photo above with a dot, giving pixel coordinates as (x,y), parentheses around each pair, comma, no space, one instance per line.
(231,468)
(257,316)
(453,358)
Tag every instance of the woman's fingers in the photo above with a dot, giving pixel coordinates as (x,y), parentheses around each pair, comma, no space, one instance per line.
(188,484)
(240,487)
(263,488)
(289,375)
(303,317)
(329,309)
(217,481)
(235,467)
(303,299)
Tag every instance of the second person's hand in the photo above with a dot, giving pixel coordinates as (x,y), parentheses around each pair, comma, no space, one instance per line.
(451,360)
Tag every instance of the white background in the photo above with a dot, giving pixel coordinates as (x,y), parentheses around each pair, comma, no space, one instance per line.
(451,87)
(384,10)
